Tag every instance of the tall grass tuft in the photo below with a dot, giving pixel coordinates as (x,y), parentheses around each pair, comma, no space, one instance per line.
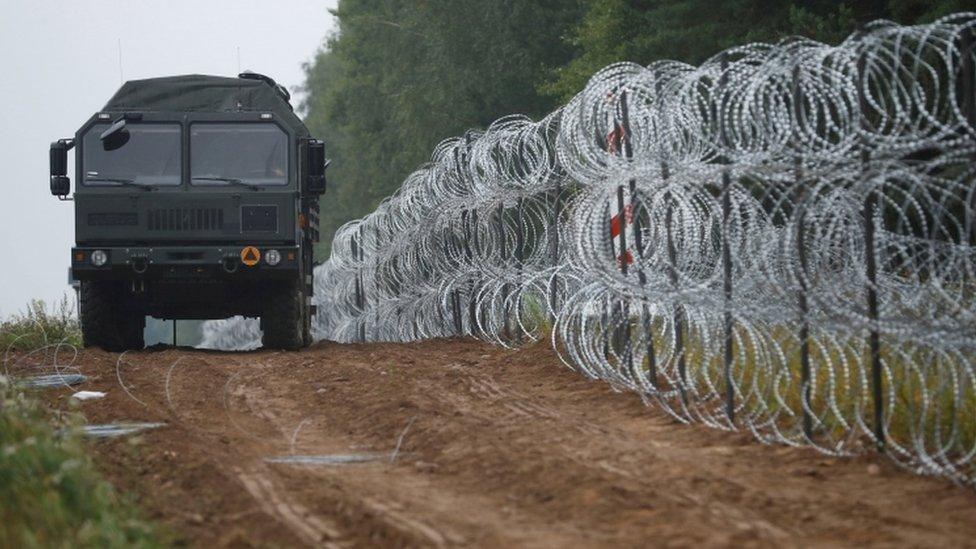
(52,495)
(50,492)
(38,326)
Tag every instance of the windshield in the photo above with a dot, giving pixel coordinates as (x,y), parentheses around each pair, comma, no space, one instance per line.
(150,156)
(226,154)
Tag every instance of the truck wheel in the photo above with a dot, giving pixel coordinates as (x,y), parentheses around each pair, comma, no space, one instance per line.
(306,324)
(104,322)
(283,323)
(306,336)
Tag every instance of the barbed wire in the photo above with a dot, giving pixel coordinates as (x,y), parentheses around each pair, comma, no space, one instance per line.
(780,240)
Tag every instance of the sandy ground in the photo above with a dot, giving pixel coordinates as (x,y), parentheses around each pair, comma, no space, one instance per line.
(478,446)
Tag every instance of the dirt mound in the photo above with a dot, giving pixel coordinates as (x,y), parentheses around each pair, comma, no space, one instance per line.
(467,444)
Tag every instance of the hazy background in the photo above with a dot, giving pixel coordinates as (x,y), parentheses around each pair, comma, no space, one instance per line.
(59,63)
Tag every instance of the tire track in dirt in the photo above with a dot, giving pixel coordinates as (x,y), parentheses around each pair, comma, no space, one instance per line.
(503,448)
(314,530)
(522,405)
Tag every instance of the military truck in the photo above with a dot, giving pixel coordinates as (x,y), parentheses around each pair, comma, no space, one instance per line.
(196,198)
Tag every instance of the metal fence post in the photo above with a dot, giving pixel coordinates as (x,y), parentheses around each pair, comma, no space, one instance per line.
(965,90)
(623,329)
(967,77)
(727,292)
(519,257)
(554,252)
(503,250)
(646,324)
(637,212)
(469,218)
(679,344)
(870,205)
(726,262)
(456,296)
(376,289)
(801,252)
(466,242)
(357,253)
(623,310)
(605,312)
(362,277)
(456,308)
(480,313)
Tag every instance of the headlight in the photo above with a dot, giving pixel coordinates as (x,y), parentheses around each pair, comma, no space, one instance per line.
(99,258)
(272,257)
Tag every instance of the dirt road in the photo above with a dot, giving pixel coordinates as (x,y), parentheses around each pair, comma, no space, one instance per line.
(475,446)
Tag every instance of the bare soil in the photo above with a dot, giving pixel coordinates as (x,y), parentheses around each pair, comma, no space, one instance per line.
(493,448)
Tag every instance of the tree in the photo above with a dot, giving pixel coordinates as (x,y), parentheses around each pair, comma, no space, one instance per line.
(398,77)
(691,31)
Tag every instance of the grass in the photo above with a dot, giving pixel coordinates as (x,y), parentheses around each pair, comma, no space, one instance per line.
(928,396)
(535,316)
(51,494)
(37,326)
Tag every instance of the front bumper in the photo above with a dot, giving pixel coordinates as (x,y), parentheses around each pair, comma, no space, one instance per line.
(182,262)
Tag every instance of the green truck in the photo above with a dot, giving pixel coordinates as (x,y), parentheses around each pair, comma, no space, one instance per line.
(196,198)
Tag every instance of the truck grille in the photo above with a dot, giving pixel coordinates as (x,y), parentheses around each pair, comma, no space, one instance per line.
(185,219)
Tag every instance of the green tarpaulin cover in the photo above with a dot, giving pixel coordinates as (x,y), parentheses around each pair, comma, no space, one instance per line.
(202,93)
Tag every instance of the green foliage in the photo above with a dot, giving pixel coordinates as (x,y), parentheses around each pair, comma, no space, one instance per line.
(644,31)
(926,11)
(690,31)
(831,28)
(398,77)
(37,326)
(51,494)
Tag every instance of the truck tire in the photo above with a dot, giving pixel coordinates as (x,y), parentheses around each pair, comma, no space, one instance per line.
(307,336)
(104,321)
(306,324)
(283,321)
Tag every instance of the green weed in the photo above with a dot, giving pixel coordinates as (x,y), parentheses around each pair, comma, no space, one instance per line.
(38,326)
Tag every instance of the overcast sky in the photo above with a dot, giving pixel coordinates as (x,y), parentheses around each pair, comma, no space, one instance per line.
(59,64)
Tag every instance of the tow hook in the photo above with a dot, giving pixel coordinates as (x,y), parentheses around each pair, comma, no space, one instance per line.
(230,264)
(140,265)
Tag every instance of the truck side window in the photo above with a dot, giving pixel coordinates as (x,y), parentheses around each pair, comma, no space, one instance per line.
(224,153)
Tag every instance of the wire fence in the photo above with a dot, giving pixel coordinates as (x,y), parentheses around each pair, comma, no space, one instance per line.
(780,240)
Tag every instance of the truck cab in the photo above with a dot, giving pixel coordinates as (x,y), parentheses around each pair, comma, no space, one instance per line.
(196,197)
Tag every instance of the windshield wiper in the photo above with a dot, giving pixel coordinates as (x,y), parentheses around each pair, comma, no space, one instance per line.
(230,181)
(123,182)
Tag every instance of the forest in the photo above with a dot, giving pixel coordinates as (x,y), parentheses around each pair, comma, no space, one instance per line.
(399,76)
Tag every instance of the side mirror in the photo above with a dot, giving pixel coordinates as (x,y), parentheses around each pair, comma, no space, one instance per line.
(315,164)
(60,182)
(115,136)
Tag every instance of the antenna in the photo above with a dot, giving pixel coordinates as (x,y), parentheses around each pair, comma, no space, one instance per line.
(238,59)
(121,78)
